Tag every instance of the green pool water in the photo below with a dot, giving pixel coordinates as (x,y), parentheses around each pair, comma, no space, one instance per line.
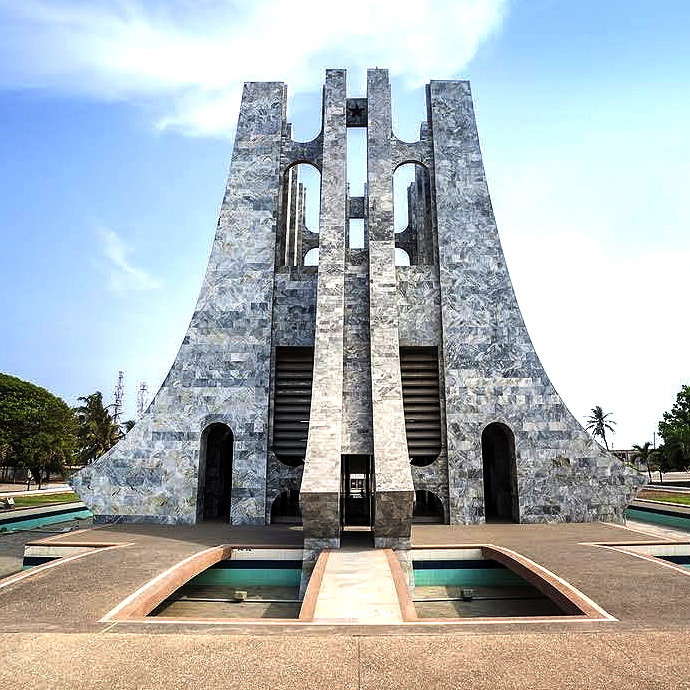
(496,591)
(272,589)
(656,518)
(466,577)
(249,577)
(42,520)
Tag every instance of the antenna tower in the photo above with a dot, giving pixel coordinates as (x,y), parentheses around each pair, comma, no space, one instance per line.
(119,396)
(142,398)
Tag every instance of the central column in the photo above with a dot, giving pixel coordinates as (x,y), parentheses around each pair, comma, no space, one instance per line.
(320,489)
(394,490)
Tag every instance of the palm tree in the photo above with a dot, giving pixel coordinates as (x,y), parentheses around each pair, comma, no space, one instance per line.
(598,423)
(98,430)
(644,454)
(663,459)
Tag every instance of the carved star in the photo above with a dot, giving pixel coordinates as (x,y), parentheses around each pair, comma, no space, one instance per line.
(356,110)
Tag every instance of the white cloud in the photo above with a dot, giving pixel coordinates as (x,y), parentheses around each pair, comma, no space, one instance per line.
(123,276)
(191,58)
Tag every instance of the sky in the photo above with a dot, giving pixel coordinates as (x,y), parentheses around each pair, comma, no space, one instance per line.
(116,130)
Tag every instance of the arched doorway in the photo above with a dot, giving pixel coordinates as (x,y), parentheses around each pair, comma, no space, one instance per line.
(500,474)
(215,473)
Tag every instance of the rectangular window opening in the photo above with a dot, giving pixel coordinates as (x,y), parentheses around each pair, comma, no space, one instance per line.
(356,160)
(356,239)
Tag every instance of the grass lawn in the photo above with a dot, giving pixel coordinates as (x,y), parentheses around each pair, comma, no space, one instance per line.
(44,499)
(666,496)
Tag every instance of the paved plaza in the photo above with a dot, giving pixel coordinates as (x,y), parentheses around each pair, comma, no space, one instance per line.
(52,638)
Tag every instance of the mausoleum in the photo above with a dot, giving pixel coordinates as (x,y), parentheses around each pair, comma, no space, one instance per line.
(357,394)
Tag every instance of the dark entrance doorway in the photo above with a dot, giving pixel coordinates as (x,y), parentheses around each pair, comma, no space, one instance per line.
(285,509)
(356,491)
(215,473)
(500,474)
(427,507)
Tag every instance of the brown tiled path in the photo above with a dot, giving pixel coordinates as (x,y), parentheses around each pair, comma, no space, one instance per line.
(50,635)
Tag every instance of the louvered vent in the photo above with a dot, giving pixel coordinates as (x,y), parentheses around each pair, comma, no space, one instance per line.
(292,402)
(420,388)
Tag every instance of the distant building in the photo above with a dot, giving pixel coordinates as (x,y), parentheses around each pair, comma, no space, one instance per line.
(626,455)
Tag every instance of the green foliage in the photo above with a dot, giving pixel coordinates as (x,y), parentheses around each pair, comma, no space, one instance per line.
(44,499)
(664,459)
(599,423)
(674,429)
(98,430)
(643,453)
(37,429)
(666,497)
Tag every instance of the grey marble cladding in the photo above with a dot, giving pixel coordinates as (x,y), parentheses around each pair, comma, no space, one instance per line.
(419,305)
(294,319)
(356,310)
(294,308)
(357,434)
(320,491)
(393,478)
(222,370)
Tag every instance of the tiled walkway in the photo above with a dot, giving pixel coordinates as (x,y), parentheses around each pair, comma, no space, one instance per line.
(357,587)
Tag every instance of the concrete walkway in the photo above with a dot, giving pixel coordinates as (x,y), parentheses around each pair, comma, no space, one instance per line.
(658,531)
(19,490)
(357,587)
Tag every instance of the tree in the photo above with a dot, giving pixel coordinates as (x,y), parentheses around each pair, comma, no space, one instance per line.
(599,423)
(674,429)
(643,453)
(664,459)
(5,456)
(98,430)
(37,429)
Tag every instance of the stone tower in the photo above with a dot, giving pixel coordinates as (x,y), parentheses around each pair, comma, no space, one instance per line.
(359,393)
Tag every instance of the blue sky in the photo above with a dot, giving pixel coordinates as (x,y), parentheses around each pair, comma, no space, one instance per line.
(116,123)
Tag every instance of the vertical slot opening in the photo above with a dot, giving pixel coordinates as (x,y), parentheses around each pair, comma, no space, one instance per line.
(356,160)
(356,239)
(412,215)
(301,214)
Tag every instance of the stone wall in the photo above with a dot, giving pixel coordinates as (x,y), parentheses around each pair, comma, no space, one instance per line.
(358,436)
(492,373)
(357,310)
(221,372)
(294,320)
(419,325)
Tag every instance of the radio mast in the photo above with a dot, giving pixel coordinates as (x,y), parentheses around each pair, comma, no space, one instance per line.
(142,399)
(119,396)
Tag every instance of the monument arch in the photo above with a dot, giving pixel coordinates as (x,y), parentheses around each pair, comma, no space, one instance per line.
(406,364)
(214,493)
(500,474)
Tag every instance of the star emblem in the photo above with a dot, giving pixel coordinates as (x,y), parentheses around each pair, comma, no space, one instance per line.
(356,110)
